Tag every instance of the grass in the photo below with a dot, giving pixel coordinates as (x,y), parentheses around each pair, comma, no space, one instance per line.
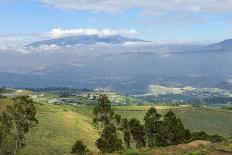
(4,102)
(61,125)
(57,131)
(212,121)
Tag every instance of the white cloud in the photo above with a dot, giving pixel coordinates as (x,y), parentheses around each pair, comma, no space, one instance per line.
(147,7)
(57,32)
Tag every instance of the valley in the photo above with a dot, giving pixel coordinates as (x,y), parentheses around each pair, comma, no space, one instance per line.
(63,119)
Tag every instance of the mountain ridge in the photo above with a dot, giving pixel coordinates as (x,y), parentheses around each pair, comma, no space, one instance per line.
(86,40)
(223,45)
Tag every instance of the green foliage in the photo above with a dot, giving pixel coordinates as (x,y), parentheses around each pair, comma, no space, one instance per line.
(216,138)
(200,136)
(126,132)
(171,131)
(117,118)
(16,121)
(138,132)
(102,111)
(109,141)
(79,148)
(152,123)
(204,136)
(6,135)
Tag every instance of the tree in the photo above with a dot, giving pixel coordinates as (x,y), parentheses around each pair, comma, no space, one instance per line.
(118,118)
(126,132)
(103,112)
(137,132)
(6,133)
(79,148)
(109,141)
(94,97)
(23,114)
(161,135)
(88,96)
(172,131)
(152,123)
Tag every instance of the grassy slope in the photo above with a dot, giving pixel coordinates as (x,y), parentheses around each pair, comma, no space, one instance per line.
(60,126)
(213,121)
(4,102)
(58,130)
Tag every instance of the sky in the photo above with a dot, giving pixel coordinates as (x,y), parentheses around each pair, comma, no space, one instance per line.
(155,20)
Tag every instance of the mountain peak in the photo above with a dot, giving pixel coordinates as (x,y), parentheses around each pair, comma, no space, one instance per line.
(86,40)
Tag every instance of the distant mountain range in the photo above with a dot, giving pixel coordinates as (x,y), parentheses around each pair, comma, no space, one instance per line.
(86,40)
(118,66)
(224,45)
(224,85)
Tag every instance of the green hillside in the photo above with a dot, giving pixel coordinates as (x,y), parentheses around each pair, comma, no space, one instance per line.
(57,131)
(61,125)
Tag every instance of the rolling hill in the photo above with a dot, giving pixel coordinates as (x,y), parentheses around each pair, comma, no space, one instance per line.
(61,125)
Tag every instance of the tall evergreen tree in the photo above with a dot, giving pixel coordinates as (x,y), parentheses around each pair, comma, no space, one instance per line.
(109,141)
(152,124)
(138,133)
(126,132)
(102,111)
(171,131)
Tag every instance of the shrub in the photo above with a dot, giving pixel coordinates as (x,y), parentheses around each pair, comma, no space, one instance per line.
(216,138)
(200,136)
(204,136)
(79,148)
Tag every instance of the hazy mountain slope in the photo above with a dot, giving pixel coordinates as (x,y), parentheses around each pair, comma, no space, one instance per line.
(121,67)
(86,40)
(224,45)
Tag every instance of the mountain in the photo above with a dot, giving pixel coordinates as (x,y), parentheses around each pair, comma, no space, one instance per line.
(224,45)
(224,85)
(120,67)
(86,40)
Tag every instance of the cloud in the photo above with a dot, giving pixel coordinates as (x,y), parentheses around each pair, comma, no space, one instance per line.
(58,32)
(147,7)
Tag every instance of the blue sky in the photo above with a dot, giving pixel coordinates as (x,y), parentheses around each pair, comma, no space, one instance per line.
(172,20)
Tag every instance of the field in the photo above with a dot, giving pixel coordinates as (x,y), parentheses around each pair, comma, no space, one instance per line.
(211,120)
(61,125)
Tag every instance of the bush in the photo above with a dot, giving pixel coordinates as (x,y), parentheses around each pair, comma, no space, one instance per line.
(79,148)
(216,138)
(204,136)
(200,136)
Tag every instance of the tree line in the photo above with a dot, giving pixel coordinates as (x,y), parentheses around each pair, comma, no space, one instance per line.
(119,133)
